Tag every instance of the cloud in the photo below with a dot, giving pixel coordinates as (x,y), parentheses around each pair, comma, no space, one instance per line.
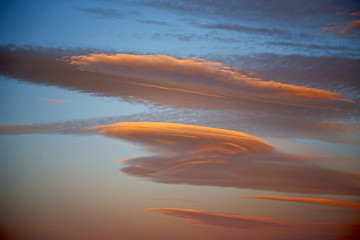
(203,156)
(247,29)
(335,48)
(102,12)
(166,138)
(319,201)
(51,100)
(78,126)
(347,27)
(264,107)
(352,27)
(280,126)
(165,69)
(206,218)
(154,22)
(333,73)
(186,154)
(293,12)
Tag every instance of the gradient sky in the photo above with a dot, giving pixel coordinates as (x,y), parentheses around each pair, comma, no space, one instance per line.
(189,119)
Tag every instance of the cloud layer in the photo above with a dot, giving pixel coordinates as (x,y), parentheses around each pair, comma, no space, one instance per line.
(271,108)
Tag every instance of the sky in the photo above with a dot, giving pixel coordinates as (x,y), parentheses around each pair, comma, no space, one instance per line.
(189,119)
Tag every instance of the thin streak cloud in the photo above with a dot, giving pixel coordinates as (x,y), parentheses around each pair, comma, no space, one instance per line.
(318,201)
(352,27)
(247,29)
(51,100)
(102,12)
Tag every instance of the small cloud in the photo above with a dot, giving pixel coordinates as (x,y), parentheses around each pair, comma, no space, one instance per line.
(156,36)
(102,12)
(319,201)
(341,13)
(154,22)
(330,28)
(247,29)
(51,100)
(355,14)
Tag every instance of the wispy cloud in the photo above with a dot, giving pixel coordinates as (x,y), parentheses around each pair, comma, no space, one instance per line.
(247,29)
(319,201)
(198,217)
(328,72)
(352,27)
(335,48)
(154,22)
(102,12)
(262,11)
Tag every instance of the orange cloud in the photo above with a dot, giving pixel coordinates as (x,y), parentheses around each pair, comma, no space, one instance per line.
(194,73)
(208,156)
(319,201)
(186,138)
(199,217)
(353,26)
(331,28)
(349,28)
(51,100)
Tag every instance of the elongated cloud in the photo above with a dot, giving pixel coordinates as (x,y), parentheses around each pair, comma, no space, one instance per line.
(51,100)
(199,217)
(186,138)
(216,157)
(103,12)
(247,29)
(165,69)
(319,201)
